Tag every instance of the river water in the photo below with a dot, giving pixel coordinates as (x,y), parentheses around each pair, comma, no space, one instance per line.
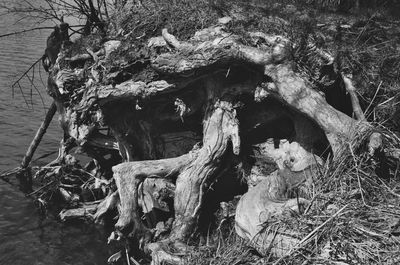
(25,237)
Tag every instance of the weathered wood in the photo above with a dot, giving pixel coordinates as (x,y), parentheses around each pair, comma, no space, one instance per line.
(163,256)
(109,203)
(259,205)
(129,175)
(289,87)
(125,91)
(219,129)
(271,196)
(354,99)
(222,49)
(297,93)
(24,174)
(84,211)
(39,135)
(153,192)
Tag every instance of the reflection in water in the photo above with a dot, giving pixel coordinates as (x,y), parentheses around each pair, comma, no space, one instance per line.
(25,238)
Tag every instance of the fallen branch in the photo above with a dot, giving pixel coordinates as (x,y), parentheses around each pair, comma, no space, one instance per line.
(39,135)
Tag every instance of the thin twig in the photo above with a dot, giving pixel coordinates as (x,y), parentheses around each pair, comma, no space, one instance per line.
(373,99)
(44,156)
(26,72)
(37,90)
(23,95)
(358,174)
(389,189)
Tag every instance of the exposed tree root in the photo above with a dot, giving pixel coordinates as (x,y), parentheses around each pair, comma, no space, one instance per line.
(243,103)
(129,175)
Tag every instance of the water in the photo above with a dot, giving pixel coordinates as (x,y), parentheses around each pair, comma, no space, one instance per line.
(24,237)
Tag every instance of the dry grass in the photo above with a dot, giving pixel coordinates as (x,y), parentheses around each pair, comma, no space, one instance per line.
(370,51)
(182,18)
(366,230)
(226,249)
(354,217)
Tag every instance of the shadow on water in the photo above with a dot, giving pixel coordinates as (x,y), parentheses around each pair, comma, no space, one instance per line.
(25,238)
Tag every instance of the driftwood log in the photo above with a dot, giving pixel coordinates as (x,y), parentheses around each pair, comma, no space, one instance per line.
(215,103)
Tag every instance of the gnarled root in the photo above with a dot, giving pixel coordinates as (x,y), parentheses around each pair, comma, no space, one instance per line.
(161,253)
(220,127)
(196,170)
(129,175)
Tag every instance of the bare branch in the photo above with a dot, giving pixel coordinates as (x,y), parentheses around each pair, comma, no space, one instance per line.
(17,83)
